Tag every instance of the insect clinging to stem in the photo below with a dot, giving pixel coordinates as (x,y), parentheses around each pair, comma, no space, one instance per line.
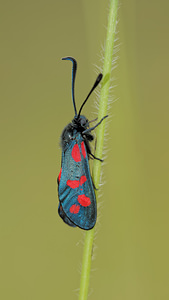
(77,201)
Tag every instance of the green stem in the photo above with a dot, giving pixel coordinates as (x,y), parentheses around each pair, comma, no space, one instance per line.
(103,103)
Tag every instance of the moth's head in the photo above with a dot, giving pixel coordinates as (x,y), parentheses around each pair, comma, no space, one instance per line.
(81,122)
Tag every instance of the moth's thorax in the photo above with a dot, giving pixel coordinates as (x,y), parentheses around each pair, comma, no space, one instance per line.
(70,132)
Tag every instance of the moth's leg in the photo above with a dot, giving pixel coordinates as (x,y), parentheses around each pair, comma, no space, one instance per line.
(90,153)
(92,128)
(94,186)
(96,157)
(93,120)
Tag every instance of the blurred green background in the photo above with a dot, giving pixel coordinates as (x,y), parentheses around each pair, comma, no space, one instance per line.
(40,257)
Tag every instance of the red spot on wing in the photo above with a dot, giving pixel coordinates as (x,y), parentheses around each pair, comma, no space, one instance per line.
(73,183)
(83,149)
(84,200)
(59,175)
(76,153)
(74,209)
(83,179)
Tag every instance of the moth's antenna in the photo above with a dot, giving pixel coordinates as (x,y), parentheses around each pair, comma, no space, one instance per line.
(74,68)
(98,79)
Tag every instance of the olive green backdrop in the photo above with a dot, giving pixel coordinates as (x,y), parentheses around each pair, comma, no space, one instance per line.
(40,257)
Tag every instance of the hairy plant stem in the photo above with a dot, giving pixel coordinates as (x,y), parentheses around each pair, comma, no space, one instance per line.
(103,103)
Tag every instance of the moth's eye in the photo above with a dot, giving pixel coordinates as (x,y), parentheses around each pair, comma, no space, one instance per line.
(84,121)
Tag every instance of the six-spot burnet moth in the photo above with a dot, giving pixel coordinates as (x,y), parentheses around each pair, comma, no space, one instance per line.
(77,201)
